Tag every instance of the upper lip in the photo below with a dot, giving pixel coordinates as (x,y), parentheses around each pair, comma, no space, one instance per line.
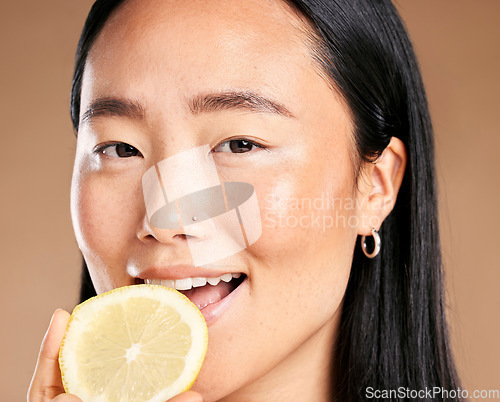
(182,272)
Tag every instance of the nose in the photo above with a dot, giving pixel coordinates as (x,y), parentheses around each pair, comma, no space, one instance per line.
(185,219)
(174,233)
(172,191)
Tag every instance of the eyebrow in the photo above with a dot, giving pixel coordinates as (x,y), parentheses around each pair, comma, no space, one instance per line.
(105,107)
(236,100)
(202,103)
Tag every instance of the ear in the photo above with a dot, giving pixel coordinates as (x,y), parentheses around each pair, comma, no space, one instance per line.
(380,188)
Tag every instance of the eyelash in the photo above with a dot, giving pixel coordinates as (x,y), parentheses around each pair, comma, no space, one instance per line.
(102,148)
(248,142)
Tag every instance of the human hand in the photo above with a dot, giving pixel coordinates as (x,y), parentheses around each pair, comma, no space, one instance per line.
(46,384)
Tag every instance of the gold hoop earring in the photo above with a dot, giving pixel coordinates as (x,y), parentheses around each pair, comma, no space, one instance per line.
(376,247)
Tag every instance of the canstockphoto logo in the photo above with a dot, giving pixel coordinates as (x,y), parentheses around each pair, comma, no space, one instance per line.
(184,192)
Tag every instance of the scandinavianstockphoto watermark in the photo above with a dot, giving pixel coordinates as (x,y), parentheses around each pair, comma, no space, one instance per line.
(435,393)
(321,212)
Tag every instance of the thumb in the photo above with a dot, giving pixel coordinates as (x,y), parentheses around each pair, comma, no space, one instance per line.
(46,382)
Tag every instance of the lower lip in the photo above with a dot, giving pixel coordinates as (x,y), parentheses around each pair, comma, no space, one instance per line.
(213,311)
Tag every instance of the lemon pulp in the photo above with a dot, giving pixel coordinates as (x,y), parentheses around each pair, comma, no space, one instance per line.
(136,343)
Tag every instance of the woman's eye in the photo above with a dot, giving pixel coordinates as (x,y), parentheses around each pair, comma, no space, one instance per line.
(237,146)
(119,150)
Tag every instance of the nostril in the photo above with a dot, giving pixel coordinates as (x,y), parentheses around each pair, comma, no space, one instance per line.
(182,236)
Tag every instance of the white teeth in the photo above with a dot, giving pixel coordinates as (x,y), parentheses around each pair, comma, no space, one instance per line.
(188,283)
(213,281)
(197,282)
(168,283)
(184,284)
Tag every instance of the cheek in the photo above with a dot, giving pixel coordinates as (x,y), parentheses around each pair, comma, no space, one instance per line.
(308,210)
(303,259)
(105,213)
(306,239)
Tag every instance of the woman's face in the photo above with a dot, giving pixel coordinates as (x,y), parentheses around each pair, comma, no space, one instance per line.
(160,57)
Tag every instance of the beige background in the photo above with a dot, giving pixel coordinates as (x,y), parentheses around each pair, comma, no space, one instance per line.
(458,45)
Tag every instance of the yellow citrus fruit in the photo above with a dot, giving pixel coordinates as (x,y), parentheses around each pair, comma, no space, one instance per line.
(135,343)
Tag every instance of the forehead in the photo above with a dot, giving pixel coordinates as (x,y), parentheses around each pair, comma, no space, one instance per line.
(205,20)
(211,38)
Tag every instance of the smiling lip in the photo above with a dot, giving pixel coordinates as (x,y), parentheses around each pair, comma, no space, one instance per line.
(212,299)
(214,310)
(173,272)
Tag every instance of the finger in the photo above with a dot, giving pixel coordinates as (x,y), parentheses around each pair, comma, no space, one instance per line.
(189,396)
(46,383)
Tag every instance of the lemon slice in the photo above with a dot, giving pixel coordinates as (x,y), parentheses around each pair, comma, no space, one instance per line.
(135,343)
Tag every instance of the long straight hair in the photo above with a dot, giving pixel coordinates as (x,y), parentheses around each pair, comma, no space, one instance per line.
(393,330)
(393,333)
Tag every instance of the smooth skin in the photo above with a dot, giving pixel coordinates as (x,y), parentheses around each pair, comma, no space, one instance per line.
(274,342)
